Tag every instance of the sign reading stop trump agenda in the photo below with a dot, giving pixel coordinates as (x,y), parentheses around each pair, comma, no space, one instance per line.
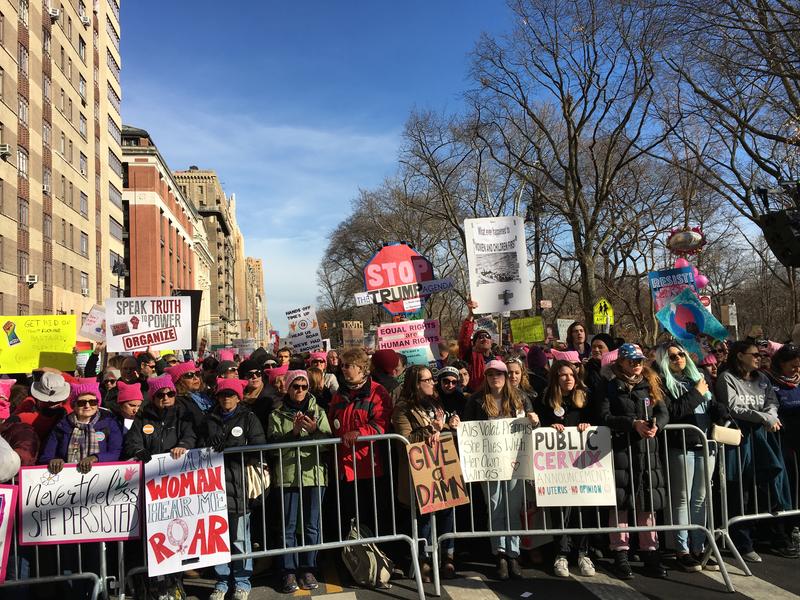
(186,512)
(573,468)
(135,324)
(498,264)
(72,507)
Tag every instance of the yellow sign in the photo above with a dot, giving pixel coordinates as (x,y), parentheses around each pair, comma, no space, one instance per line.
(529,329)
(603,312)
(30,342)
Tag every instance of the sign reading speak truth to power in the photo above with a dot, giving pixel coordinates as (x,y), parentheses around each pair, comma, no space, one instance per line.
(134,324)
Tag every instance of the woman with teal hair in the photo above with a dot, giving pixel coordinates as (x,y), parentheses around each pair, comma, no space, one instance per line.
(690,403)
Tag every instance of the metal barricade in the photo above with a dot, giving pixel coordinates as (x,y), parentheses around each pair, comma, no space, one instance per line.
(758,481)
(562,521)
(369,507)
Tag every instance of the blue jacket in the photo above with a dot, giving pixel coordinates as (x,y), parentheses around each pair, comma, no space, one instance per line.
(110,445)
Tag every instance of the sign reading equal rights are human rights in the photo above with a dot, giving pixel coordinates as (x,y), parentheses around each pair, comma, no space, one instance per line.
(135,324)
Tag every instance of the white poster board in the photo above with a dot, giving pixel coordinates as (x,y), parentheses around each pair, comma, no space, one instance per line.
(71,507)
(496,450)
(94,325)
(187,512)
(156,322)
(498,264)
(573,468)
(304,334)
(8,502)
(563,327)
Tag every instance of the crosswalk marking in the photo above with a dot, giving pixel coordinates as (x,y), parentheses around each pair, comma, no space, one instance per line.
(752,587)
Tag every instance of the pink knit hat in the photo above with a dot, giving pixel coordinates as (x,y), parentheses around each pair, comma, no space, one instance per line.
(292,375)
(5,393)
(79,389)
(569,356)
(319,355)
(708,359)
(235,385)
(273,374)
(129,392)
(609,357)
(155,384)
(226,355)
(179,370)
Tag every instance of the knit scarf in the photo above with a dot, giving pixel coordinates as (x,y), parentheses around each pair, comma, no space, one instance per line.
(789,382)
(628,380)
(356,386)
(83,441)
(203,401)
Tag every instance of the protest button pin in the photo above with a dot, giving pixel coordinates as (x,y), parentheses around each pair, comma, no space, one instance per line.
(99,436)
(148,429)
(237,431)
(336,424)
(559,412)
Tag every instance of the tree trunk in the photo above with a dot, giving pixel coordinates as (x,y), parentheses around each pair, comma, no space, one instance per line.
(588,288)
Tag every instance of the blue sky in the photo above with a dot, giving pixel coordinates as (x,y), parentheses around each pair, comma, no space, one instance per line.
(296,105)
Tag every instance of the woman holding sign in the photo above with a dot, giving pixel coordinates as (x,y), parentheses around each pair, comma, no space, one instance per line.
(631,403)
(419,416)
(498,399)
(566,404)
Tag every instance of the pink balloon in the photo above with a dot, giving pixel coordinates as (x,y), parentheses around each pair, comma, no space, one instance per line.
(681,262)
(701,281)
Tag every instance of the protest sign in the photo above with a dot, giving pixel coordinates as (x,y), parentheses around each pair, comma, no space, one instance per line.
(496,450)
(528,329)
(8,500)
(436,472)
(94,325)
(71,507)
(408,293)
(573,468)
(690,322)
(37,341)
(666,284)
(352,334)
(244,347)
(417,340)
(187,512)
(304,334)
(498,264)
(393,276)
(155,322)
(196,299)
(563,327)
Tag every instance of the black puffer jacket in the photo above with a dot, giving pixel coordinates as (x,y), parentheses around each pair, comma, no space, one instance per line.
(155,431)
(240,429)
(572,416)
(618,407)
(691,408)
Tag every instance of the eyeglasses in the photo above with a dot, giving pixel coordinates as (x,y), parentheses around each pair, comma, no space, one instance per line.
(317,361)
(483,336)
(253,374)
(636,361)
(167,394)
(751,353)
(192,375)
(678,355)
(426,380)
(449,382)
(299,386)
(83,403)
(173,361)
(720,351)
(107,381)
(231,369)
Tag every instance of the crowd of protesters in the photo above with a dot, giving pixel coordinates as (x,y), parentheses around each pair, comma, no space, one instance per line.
(135,407)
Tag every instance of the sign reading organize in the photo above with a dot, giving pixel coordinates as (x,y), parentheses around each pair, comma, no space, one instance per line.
(435,470)
(134,324)
(71,507)
(187,512)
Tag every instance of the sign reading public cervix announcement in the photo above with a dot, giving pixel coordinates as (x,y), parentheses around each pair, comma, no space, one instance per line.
(135,324)
(71,507)
(187,512)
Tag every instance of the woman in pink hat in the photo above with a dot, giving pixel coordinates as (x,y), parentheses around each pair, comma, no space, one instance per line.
(191,390)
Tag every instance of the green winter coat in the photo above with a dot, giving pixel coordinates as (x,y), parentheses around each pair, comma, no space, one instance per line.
(279,430)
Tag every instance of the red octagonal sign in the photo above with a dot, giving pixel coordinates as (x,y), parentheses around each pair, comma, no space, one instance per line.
(398,268)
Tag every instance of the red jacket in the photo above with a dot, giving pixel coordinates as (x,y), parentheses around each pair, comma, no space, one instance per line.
(23,440)
(368,411)
(475,362)
(42,422)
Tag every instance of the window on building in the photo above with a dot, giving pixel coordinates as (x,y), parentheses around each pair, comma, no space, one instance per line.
(69,109)
(23,213)
(46,41)
(82,48)
(63,187)
(2,29)
(82,87)
(68,199)
(71,153)
(84,247)
(48,274)
(46,87)
(72,278)
(84,208)
(23,11)
(115,228)
(69,28)
(22,163)
(47,178)
(22,112)
(114,163)
(22,59)
(64,275)
(114,195)
(84,164)
(22,264)
(62,59)
(47,227)
(84,281)
(62,101)
(2,83)
(62,144)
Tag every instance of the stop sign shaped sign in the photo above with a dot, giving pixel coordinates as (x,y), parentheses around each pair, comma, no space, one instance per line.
(401,267)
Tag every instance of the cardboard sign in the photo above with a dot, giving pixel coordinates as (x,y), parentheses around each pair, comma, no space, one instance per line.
(573,468)
(304,334)
(690,322)
(496,450)
(187,512)
(417,340)
(666,284)
(528,329)
(135,324)
(563,327)
(352,334)
(94,325)
(30,342)
(603,312)
(8,500)
(497,258)
(68,508)
(437,477)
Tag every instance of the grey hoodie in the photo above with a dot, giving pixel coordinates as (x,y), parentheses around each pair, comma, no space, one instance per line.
(753,400)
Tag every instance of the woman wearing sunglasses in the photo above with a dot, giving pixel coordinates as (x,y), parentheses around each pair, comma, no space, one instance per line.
(631,404)
(690,402)
(192,391)
(299,418)
(87,435)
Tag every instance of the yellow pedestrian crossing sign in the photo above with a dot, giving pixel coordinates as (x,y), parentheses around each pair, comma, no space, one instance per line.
(603,312)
